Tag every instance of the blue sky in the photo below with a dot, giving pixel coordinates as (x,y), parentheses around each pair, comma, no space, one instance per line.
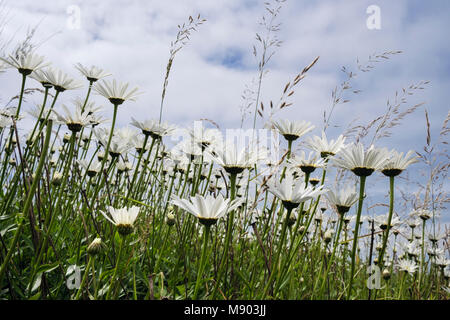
(131,40)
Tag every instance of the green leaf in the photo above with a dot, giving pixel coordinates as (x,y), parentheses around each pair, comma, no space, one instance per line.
(36,296)
(47,267)
(37,282)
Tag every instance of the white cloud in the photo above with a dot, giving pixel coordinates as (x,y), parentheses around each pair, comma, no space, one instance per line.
(131,39)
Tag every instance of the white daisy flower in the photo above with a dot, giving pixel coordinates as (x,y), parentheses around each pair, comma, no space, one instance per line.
(342,199)
(292,130)
(423,214)
(75,120)
(361,162)
(91,168)
(397,163)
(382,221)
(92,73)
(207,209)
(307,163)
(116,93)
(122,218)
(25,63)
(206,138)
(91,107)
(292,192)
(407,265)
(124,166)
(5,122)
(39,76)
(60,80)
(154,128)
(234,159)
(324,147)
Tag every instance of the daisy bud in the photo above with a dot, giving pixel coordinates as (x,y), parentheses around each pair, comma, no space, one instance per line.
(57,178)
(328,235)
(291,221)
(66,138)
(386,274)
(52,162)
(170,220)
(95,247)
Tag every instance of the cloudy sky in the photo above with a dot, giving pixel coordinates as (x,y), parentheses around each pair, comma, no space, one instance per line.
(131,39)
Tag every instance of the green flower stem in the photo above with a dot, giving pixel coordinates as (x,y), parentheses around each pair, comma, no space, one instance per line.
(186,178)
(402,281)
(163,248)
(22,89)
(66,170)
(288,263)
(11,134)
(145,166)
(224,259)
(28,200)
(355,236)
(86,147)
(82,111)
(87,96)
(288,156)
(47,116)
(202,261)
(336,241)
(292,249)
(208,179)
(307,178)
(40,115)
(277,256)
(391,211)
(94,280)
(58,202)
(196,180)
(105,158)
(277,262)
(113,278)
(134,282)
(422,255)
(137,165)
(83,281)
(289,149)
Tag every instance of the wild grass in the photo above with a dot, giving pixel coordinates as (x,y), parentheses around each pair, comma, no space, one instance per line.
(60,239)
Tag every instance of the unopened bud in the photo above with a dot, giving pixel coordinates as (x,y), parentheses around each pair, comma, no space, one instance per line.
(170,220)
(57,178)
(95,247)
(328,235)
(66,138)
(386,274)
